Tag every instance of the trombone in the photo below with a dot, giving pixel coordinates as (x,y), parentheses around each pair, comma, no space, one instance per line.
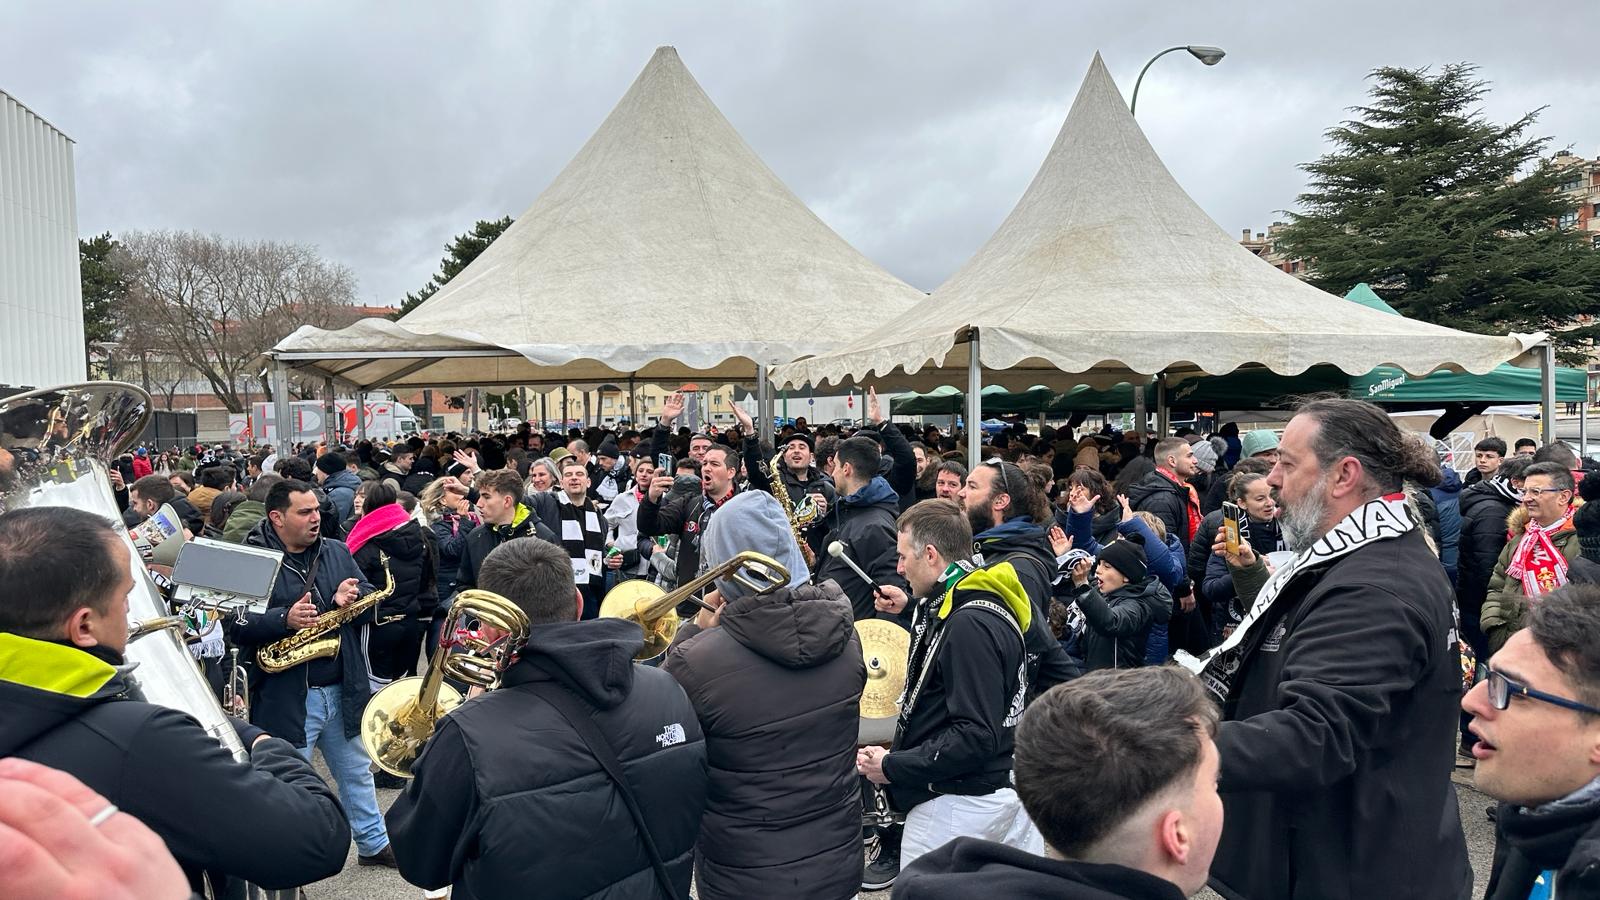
(654,609)
(401,717)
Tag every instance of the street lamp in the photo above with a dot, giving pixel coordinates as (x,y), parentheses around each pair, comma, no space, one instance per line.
(1208,55)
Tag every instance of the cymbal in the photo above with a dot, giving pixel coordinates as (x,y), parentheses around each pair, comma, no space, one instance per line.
(885,646)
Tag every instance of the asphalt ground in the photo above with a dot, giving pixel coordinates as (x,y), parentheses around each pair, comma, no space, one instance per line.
(363,882)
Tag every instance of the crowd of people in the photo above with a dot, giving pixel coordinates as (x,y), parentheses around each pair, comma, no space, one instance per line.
(1138,665)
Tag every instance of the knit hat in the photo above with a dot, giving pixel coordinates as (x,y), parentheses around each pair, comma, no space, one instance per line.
(1254,442)
(1205,456)
(1127,557)
(608,449)
(1586,521)
(752,520)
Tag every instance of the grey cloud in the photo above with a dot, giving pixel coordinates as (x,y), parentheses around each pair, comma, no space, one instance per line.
(379,130)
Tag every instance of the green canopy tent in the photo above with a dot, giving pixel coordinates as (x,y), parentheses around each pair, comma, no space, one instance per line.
(949,401)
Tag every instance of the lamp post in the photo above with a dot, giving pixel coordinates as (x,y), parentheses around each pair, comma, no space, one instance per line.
(1208,55)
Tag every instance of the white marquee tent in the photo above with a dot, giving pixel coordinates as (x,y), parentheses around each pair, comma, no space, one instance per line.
(666,251)
(1106,269)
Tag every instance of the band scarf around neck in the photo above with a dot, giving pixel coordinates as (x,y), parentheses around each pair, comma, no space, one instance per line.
(1377,520)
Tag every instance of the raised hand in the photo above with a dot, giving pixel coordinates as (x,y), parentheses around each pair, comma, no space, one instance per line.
(1059,541)
(672,407)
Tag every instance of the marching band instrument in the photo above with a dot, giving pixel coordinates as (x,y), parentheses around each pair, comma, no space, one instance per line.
(886,649)
(401,717)
(799,516)
(55,447)
(236,692)
(836,550)
(655,610)
(320,640)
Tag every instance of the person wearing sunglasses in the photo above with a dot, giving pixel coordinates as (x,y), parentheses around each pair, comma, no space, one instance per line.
(1536,730)
(1537,558)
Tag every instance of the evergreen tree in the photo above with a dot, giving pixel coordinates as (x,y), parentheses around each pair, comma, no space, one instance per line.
(104,287)
(1451,217)
(458,254)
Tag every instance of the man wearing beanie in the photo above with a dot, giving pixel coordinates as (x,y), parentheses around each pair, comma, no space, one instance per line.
(1118,605)
(776,678)
(338,482)
(608,474)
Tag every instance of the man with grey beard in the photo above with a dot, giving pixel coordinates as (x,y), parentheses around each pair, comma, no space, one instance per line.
(1339,689)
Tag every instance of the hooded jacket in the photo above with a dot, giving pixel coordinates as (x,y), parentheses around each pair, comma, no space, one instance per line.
(968,867)
(1446,497)
(1563,837)
(341,488)
(864,523)
(450,533)
(278,702)
(1344,712)
(1484,508)
(1117,623)
(1027,547)
(776,687)
(509,802)
(243,518)
(1156,493)
(965,686)
(395,636)
(271,820)
(1506,604)
(536,516)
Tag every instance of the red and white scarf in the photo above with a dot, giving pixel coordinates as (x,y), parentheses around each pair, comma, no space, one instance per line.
(1537,563)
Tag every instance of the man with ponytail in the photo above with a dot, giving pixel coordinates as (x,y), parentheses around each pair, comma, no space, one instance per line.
(1339,688)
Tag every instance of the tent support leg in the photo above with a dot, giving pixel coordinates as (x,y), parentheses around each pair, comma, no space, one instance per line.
(544,414)
(427,410)
(1141,412)
(974,401)
(361,415)
(522,403)
(330,414)
(565,407)
(763,407)
(1163,414)
(1583,430)
(633,404)
(1547,393)
(280,407)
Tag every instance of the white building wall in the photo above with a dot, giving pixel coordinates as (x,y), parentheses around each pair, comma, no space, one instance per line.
(41,296)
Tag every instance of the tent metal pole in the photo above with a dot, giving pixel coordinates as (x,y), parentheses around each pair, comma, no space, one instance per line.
(1547,393)
(565,405)
(1163,415)
(522,402)
(330,414)
(280,406)
(764,409)
(1140,410)
(475,401)
(361,415)
(633,404)
(427,410)
(974,400)
(544,414)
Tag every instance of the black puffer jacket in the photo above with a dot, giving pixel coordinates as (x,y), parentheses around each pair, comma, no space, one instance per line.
(1484,510)
(1118,622)
(509,802)
(450,537)
(271,820)
(968,867)
(1027,547)
(864,523)
(776,688)
(411,562)
(1156,493)
(542,521)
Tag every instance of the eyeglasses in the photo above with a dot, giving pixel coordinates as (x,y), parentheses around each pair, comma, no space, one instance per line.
(1005,477)
(1502,689)
(1540,492)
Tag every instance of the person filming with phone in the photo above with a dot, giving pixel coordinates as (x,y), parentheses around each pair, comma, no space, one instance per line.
(1252,512)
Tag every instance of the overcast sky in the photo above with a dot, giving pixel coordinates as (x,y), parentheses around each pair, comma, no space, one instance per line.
(377,131)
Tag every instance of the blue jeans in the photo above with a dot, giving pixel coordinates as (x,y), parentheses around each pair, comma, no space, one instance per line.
(348,761)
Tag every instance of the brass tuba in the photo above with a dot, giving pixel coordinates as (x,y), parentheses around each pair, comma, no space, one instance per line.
(655,610)
(321,639)
(55,445)
(401,717)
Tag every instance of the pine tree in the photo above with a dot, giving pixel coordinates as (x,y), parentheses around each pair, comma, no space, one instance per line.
(104,287)
(1451,217)
(459,253)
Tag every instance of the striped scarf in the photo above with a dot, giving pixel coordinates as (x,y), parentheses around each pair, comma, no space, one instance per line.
(583,538)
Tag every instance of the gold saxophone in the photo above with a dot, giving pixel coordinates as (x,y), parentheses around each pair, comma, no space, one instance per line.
(798,518)
(321,639)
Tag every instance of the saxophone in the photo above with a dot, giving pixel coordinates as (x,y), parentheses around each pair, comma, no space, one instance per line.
(798,518)
(321,639)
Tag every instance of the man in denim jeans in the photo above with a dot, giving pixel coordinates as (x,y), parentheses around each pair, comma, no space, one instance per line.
(318,703)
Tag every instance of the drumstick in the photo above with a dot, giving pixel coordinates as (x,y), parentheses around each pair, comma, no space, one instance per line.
(836,550)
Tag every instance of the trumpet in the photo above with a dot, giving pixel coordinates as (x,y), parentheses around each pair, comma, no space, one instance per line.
(401,717)
(655,610)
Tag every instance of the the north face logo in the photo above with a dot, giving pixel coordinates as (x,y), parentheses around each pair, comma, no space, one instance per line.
(672,734)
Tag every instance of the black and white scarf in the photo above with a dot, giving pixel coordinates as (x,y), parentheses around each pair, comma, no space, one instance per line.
(582,537)
(1376,520)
